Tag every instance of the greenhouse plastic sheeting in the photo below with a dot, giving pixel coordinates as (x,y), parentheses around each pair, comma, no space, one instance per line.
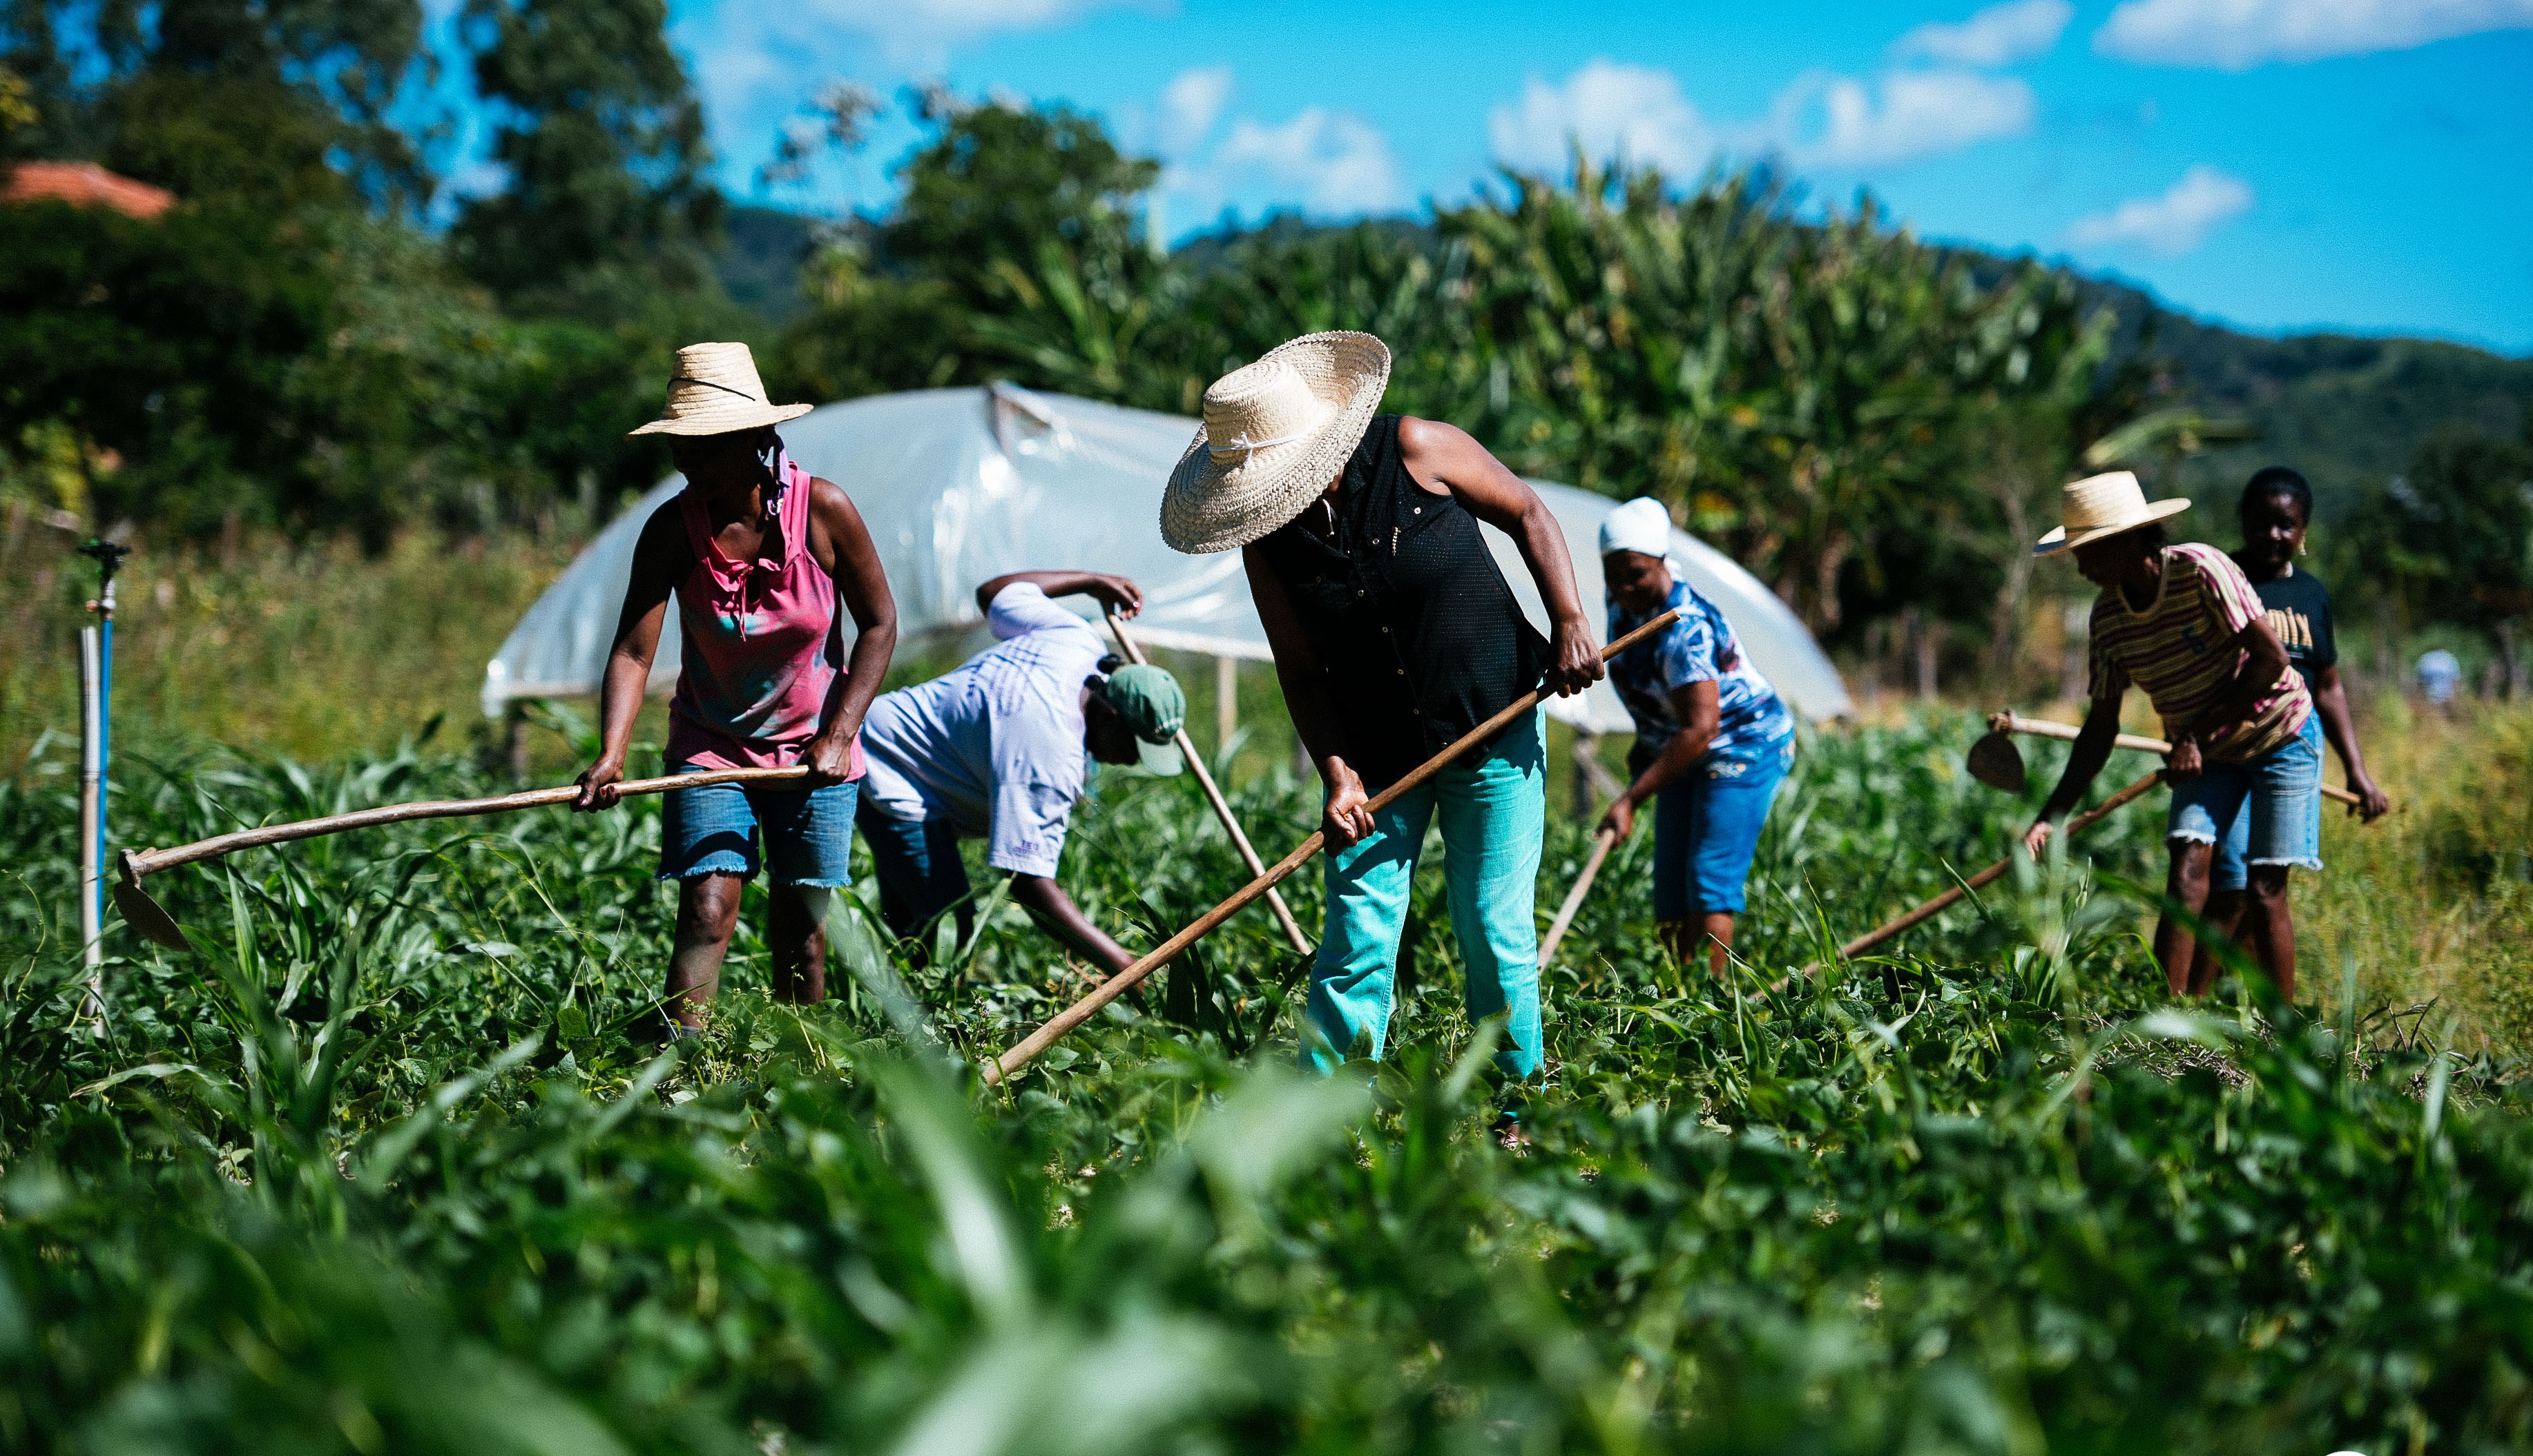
(957,485)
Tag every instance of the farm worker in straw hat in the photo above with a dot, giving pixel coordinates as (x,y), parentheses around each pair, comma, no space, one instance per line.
(2183,622)
(759,554)
(2275,509)
(1713,739)
(996,750)
(1394,634)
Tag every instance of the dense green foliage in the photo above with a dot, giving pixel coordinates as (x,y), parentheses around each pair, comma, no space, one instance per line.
(380,1167)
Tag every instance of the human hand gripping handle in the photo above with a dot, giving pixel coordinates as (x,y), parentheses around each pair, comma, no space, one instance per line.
(1573,663)
(1346,821)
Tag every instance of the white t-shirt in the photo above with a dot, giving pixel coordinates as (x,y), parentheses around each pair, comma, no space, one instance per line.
(994,747)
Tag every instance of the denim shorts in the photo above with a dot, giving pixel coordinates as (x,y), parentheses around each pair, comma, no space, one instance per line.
(919,871)
(2268,811)
(1706,829)
(808,834)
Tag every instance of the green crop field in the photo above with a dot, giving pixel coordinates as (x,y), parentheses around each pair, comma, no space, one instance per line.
(381,1167)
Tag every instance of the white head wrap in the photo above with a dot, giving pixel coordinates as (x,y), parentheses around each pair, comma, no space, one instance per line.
(1640,525)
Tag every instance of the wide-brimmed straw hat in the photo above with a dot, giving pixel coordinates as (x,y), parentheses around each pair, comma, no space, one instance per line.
(2101,505)
(1276,431)
(715,391)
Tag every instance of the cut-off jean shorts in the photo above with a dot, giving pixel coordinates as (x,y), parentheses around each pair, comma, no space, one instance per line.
(2267,811)
(714,830)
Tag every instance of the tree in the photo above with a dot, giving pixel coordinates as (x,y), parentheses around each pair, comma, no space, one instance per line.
(279,103)
(2456,535)
(603,140)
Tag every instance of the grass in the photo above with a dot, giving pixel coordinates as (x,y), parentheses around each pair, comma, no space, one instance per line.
(381,1166)
(378,1168)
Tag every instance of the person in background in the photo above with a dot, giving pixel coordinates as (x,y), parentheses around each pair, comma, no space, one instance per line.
(2182,623)
(2440,675)
(1713,739)
(2275,509)
(995,749)
(1395,635)
(758,552)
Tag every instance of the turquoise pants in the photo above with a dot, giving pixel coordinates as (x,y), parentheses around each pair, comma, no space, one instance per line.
(1493,810)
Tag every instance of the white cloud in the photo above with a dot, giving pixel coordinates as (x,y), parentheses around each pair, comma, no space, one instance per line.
(918,34)
(1998,36)
(1192,103)
(1614,110)
(2236,34)
(2173,224)
(1920,113)
(1334,161)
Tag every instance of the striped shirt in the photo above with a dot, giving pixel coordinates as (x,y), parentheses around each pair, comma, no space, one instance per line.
(2180,649)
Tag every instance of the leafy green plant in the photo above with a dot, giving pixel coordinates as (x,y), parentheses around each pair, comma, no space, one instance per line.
(381,1165)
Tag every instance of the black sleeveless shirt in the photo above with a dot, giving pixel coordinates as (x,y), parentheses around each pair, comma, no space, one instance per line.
(1418,635)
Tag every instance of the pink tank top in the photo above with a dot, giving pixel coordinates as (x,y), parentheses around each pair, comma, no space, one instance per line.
(760,645)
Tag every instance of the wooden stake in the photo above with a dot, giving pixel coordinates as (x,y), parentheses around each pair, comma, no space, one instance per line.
(1601,844)
(1301,943)
(1028,1048)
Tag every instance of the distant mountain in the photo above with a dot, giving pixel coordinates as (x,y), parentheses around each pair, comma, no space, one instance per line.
(2344,410)
(761,265)
(2341,409)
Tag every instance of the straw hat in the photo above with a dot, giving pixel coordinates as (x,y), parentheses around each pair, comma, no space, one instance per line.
(1276,431)
(715,391)
(2101,505)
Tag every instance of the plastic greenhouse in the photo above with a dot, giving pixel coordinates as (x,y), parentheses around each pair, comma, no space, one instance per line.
(957,485)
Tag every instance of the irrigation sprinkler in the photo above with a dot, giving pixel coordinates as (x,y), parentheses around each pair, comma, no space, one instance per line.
(1027,1049)
(1996,762)
(96,704)
(1134,651)
(147,917)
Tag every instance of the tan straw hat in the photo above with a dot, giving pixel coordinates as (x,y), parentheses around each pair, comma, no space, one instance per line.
(2101,505)
(716,391)
(1276,431)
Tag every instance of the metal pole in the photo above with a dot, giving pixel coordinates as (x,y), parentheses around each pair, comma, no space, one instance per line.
(92,811)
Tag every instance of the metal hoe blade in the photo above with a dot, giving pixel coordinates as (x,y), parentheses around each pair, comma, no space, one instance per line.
(146,916)
(1995,762)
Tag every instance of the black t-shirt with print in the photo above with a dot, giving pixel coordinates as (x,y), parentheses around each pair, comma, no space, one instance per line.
(2299,614)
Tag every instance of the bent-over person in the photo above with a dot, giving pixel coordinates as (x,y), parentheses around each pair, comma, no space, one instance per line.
(1394,634)
(759,555)
(2182,623)
(1713,739)
(999,749)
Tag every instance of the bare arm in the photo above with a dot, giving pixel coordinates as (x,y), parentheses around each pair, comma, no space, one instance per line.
(1112,591)
(2264,661)
(1056,913)
(1346,818)
(2092,750)
(1699,707)
(862,587)
(1445,455)
(2331,700)
(661,559)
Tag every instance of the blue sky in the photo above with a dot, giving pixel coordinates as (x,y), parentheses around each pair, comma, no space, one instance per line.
(2279,164)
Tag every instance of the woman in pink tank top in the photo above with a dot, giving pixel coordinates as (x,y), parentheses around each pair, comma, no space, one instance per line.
(758,554)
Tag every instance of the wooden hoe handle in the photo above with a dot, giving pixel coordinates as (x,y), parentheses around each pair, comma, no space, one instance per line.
(137,864)
(1117,985)
(1953,897)
(2042,727)
(1214,795)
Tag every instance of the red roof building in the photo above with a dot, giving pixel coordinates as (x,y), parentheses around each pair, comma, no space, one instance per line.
(86,185)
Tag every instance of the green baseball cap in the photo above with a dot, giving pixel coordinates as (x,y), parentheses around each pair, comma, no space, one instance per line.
(1150,700)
